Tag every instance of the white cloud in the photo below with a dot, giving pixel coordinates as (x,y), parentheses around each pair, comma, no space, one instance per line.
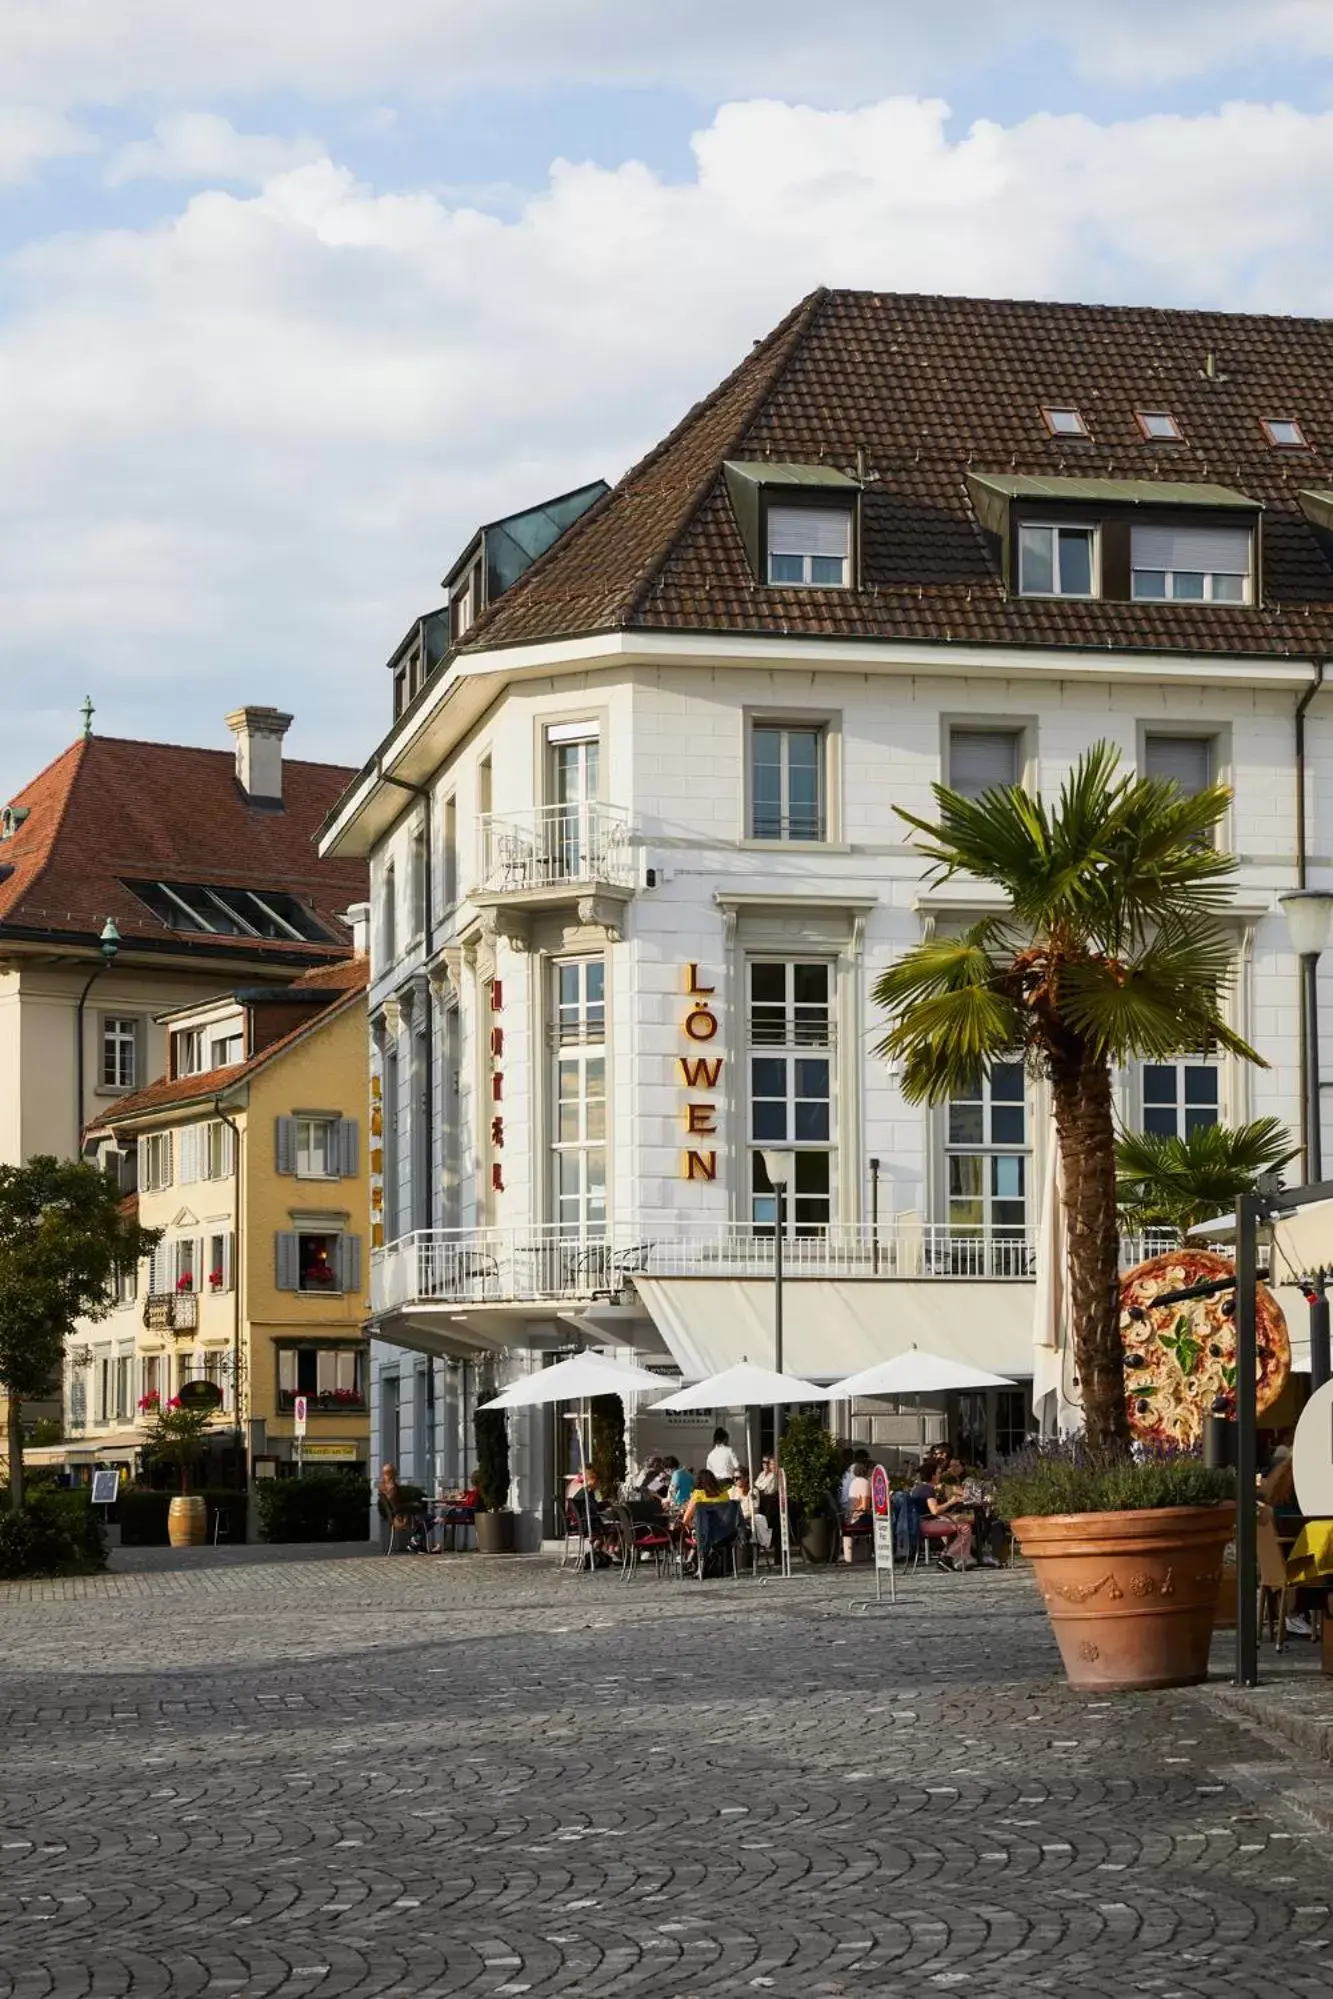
(31,134)
(67,51)
(243,444)
(201,146)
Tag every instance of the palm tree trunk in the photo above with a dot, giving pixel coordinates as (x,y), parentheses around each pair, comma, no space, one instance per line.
(1085,1128)
(15,1426)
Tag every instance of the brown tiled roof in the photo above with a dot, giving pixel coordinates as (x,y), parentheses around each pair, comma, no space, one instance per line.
(108,810)
(926,388)
(175,1092)
(350,975)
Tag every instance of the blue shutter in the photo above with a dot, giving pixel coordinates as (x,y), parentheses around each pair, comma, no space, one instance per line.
(346,1139)
(287,1255)
(285,1145)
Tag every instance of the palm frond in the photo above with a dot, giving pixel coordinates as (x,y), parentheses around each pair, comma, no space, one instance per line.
(1176,1182)
(948,1038)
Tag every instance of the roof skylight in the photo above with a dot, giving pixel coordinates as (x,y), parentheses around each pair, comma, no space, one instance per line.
(1158,426)
(1063,421)
(231,912)
(1285,432)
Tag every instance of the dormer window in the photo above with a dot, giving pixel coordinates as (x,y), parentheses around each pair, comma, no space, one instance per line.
(1062,421)
(1193,565)
(1285,433)
(465,603)
(810,545)
(1057,561)
(1158,426)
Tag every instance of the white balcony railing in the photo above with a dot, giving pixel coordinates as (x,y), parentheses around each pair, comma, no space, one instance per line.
(498,1265)
(553,847)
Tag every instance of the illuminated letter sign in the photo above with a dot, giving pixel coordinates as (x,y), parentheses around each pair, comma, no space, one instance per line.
(698,1072)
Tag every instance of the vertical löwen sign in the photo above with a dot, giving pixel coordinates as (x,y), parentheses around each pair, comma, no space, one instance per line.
(700,1071)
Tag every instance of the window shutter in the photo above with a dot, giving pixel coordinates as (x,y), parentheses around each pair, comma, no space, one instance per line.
(190,1163)
(168,1158)
(349,1263)
(140,1054)
(809,531)
(982,758)
(1187,759)
(1211,550)
(141,1160)
(157,1269)
(229,1261)
(287,1256)
(200,1274)
(285,1144)
(345,1138)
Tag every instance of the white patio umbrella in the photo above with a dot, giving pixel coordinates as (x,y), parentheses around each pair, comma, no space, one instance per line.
(914,1373)
(742,1387)
(577,1379)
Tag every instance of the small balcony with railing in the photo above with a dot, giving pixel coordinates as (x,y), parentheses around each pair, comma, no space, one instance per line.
(555,855)
(171,1311)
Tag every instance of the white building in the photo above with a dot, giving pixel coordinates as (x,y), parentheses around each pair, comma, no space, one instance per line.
(637,862)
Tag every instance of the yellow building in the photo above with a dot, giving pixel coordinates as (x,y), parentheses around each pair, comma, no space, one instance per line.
(250,1155)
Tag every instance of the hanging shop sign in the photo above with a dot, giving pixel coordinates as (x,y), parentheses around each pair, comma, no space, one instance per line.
(497,1049)
(700,1072)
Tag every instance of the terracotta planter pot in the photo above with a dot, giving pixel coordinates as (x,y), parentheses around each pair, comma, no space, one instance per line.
(187,1521)
(1132,1597)
(495,1533)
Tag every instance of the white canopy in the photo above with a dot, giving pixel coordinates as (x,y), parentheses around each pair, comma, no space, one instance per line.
(575,1380)
(742,1387)
(915,1373)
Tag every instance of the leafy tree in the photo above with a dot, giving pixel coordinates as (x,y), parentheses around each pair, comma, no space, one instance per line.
(62,1237)
(1172,1183)
(1109,950)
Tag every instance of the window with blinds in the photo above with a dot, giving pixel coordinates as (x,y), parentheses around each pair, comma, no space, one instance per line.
(981,759)
(1188,760)
(810,545)
(1192,564)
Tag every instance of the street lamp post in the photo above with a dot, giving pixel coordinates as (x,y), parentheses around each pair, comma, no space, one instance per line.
(779,1167)
(1309,914)
(108,944)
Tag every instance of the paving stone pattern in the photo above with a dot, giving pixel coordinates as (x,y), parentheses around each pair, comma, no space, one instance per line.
(235,1776)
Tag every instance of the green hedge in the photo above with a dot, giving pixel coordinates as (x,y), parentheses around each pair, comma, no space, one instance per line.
(321,1506)
(142,1514)
(55,1532)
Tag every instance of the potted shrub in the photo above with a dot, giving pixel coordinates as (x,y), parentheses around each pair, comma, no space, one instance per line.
(1104,948)
(174,1433)
(494,1522)
(1128,1555)
(809,1459)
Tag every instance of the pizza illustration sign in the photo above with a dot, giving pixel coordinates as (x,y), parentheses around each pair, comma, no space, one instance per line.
(1179,1359)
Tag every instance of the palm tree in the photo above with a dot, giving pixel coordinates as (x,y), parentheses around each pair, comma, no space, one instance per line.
(1108,950)
(1172,1183)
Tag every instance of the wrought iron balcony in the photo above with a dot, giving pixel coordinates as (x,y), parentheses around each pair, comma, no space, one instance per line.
(554,851)
(171,1312)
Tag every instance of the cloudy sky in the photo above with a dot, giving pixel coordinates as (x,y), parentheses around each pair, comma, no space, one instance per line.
(293,293)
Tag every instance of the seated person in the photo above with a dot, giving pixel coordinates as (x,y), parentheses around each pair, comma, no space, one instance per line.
(855,1508)
(767,1481)
(754,1526)
(708,1498)
(948,1505)
(679,1486)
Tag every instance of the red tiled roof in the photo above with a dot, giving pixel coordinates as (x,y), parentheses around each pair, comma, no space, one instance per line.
(924,389)
(174,1092)
(351,975)
(108,810)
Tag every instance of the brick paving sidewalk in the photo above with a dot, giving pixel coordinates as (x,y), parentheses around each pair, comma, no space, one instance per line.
(338,1775)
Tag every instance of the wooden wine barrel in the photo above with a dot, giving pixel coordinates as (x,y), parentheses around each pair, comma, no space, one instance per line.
(187,1521)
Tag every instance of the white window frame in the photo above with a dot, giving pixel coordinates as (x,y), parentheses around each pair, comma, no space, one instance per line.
(306,1126)
(189,1051)
(120,1037)
(785,726)
(1056,529)
(809,1036)
(1182,1065)
(988,1149)
(807,558)
(579,1047)
(1209,576)
(157,1161)
(227,1049)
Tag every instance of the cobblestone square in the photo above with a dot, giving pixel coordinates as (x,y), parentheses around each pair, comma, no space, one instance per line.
(323,1774)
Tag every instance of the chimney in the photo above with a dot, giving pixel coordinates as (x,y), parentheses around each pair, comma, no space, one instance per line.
(259,733)
(358,918)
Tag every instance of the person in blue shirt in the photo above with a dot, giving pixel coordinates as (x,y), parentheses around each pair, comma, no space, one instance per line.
(681,1484)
